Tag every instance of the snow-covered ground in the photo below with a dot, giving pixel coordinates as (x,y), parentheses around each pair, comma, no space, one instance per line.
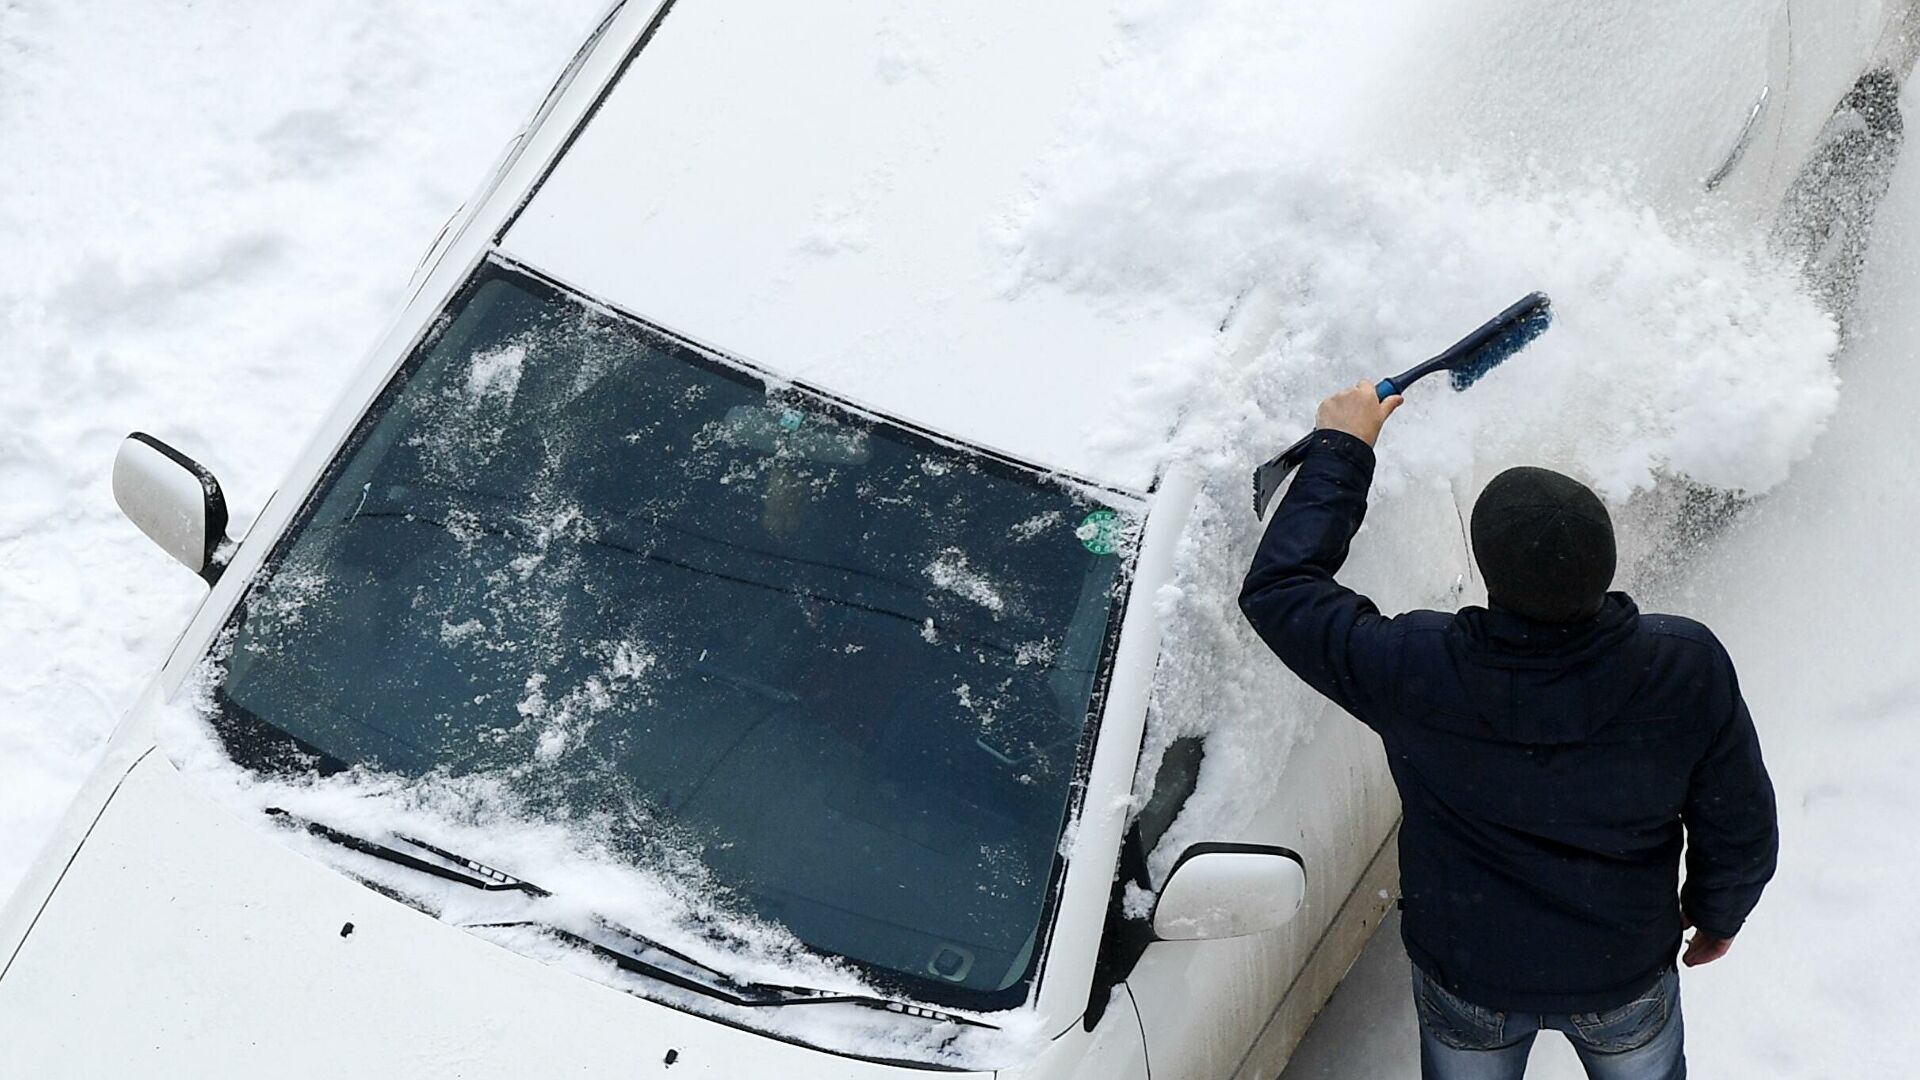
(210,208)
(208,212)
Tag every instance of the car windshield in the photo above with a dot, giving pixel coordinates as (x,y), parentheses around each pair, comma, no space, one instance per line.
(854,665)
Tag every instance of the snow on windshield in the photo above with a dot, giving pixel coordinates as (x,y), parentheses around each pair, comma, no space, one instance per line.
(584,861)
(949,571)
(1231,161)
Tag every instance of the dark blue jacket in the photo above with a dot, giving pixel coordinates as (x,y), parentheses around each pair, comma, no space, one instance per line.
(1546,772)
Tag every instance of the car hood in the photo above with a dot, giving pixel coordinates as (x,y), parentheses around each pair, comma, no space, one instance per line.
(180,941)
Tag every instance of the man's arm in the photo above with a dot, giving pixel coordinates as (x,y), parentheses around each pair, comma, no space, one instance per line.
(1733,834)
(1332,637)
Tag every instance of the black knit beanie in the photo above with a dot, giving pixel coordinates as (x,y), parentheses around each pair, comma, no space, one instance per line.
(1544,543)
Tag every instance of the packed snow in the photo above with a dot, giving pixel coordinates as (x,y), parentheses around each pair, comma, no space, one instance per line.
(211,213)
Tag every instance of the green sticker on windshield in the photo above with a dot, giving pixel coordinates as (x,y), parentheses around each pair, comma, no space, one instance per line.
(1099,532)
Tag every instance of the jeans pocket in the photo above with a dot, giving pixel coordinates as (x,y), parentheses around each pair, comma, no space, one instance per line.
(1632,1025)
(1459,1024)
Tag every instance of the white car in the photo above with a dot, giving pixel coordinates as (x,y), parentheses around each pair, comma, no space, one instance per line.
(711,483)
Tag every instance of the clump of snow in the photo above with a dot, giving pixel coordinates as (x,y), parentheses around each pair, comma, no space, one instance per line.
(563,722)
(546,524)
(950,571)
(1037,525)
(495,374)
(461,633)
(1035,653)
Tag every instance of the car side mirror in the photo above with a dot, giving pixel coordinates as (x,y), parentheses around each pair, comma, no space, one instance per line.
(1229,890)
(175,501)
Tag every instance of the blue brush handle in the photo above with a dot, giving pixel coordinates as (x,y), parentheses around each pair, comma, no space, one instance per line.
(1385,389)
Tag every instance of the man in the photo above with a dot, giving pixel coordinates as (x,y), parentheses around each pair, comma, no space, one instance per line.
(1550,750)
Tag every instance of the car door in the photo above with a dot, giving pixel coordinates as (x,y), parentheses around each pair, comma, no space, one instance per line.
(1237,1007)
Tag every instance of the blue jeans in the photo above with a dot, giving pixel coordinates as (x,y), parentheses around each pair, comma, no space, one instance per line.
(1641,1040)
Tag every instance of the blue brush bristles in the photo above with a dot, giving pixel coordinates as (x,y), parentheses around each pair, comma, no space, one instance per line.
(1497,351)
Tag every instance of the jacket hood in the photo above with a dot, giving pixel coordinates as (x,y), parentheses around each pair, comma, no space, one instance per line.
(1549,683)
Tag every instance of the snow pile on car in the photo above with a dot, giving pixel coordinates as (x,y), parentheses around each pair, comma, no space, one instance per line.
(1230,161)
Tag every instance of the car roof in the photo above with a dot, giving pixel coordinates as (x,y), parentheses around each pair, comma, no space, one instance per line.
(824,190)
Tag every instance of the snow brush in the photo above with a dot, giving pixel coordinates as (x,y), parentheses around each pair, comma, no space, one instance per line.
(1466,362)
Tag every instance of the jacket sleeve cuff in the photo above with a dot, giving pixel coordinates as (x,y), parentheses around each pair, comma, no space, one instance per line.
(1328,442)
(1711,928)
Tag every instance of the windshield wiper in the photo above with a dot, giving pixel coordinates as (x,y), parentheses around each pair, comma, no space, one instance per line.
(752,995)
(473,874)
(808,996)
(478,875)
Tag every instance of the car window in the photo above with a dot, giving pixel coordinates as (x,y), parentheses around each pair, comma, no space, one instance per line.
(850,665)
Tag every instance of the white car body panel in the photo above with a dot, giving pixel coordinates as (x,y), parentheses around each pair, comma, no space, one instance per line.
(131,740)
(817,234)
(1113,1050)
(839,230)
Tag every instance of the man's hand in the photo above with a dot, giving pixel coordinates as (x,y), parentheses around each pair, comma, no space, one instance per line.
(1704,948)
(1357,411)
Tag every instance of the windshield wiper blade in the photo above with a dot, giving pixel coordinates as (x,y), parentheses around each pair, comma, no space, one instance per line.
(491,879)
(478,875)
(626,961)
(776,994)
(753,995)
(806,995)
(473,874)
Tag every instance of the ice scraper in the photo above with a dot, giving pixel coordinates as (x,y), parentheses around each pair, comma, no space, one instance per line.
(1466,361)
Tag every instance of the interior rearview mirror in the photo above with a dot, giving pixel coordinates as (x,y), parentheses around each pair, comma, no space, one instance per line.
(1229,890)
(175,501)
